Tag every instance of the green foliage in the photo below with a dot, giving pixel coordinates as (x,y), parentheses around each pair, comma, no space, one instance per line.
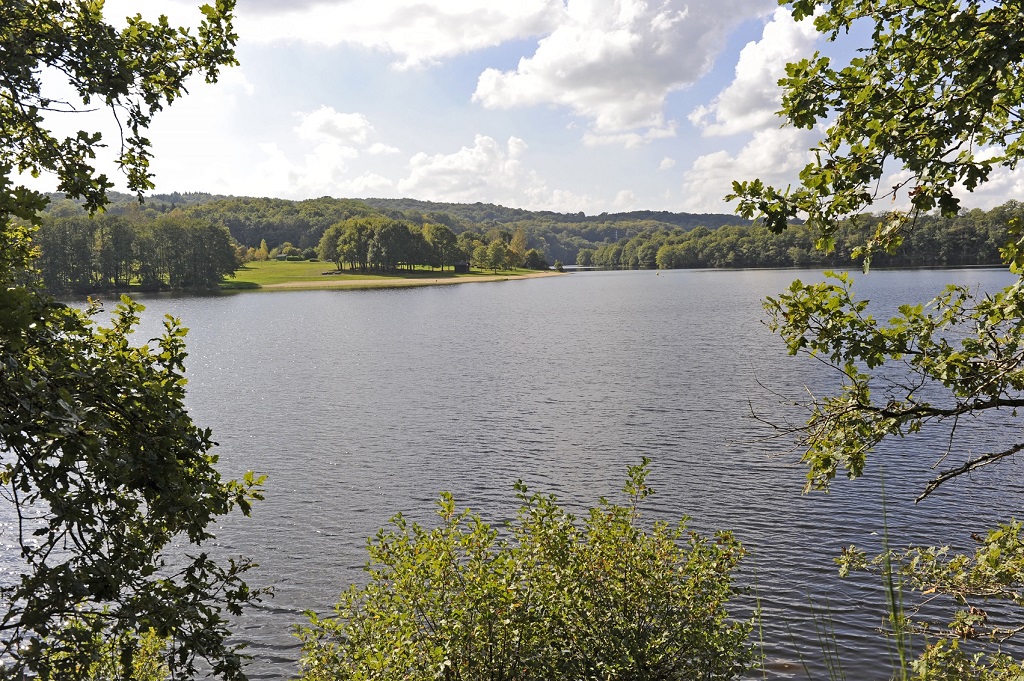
(971,238)
(277,221)
(303,223)
(946,362)
(84,254)
(144,660)
(939,79)
(958,356)
(111,486)
(497,255)
(549,598)
(385,245)
(974,588)
(534,260)
(938,91)
(443,245)
(104,469)
(134,71)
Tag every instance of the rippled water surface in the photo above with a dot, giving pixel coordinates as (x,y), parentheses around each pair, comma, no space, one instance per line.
(361,404)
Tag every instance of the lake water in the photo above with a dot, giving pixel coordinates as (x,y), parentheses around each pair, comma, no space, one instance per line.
(361,404)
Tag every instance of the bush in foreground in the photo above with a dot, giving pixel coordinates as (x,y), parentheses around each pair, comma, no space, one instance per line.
(597,599)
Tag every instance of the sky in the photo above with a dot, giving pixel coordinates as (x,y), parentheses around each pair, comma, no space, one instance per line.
(566,105)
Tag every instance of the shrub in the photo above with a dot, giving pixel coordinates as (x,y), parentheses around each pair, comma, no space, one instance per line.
(139,657)
(552,598)
(534,260)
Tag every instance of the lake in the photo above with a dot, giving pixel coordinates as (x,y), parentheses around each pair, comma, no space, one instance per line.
(361,404)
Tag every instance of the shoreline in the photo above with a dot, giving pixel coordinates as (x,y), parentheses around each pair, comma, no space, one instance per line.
(364,284)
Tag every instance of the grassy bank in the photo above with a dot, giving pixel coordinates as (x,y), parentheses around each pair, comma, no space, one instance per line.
(305,275)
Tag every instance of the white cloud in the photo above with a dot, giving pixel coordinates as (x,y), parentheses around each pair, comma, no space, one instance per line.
(493,172)
(178,12)
(659,130)
(561,201)
(754,97)
(616,61)
(337,137)
(326,124)
(367,184)
(667,163)
(625,199)
(321,171)
(378,148)
(195,144)
(415,31)
(485,169)
(775,155)
(1003,184)
(324,157)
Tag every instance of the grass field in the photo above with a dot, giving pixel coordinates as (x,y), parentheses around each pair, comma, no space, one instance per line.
(273,274)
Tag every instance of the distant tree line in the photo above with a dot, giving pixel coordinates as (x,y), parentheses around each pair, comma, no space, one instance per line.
(166,251)
(285,225)
(383,244)
(404,233)
(491,214)
(971,238)
(555,236)
(301,223)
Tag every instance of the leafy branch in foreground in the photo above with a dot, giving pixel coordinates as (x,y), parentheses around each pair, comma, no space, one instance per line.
(133,72)
(554,599)
(985,592)
(936,97)
(958,356)
(103,472)
(110,488)
(937,92)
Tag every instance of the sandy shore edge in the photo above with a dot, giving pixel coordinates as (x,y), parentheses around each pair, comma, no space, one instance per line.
(394,283)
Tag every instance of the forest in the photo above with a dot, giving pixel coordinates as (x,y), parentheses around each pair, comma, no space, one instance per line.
(968,239)
(112,252)
(193,241)
(301,224)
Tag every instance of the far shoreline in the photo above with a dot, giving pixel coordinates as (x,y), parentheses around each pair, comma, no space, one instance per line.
(379,282)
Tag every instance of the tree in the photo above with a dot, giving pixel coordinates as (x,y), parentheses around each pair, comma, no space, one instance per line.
(443,244)
(134,72)
(939,91)
(348,241)
(497,255)
(327,250)
(556,598)
(67,254)
(534,260)
(99,459)
(517,247)
(388,245)
(480,260)
(585,257)
(116,252)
